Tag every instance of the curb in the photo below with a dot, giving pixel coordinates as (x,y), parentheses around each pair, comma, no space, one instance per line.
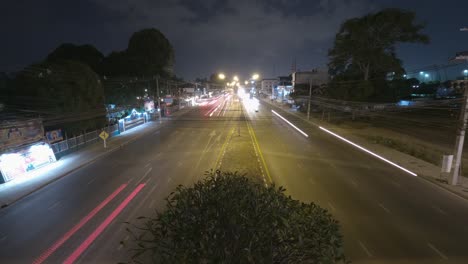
(444,187)
(89,162)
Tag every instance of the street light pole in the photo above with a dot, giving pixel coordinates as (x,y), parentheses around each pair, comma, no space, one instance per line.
(460,138)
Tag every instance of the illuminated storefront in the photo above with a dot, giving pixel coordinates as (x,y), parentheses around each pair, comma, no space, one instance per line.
(16,163)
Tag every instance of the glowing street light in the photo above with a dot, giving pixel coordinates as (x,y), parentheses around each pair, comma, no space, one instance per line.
(221,76)
(246,82)
(255,76)
(465,72)
(235,78)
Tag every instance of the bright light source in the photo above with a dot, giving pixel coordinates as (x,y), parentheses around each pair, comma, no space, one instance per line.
(421,72)
(368,151)
(291,124)
(221,76)
(246,82)
(426,75)
(235,78)
(255,76)
(465,71)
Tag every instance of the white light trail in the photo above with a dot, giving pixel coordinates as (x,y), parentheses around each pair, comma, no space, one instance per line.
(368,151)
(291,124)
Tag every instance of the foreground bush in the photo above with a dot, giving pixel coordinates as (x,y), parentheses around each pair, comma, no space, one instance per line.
(231,219)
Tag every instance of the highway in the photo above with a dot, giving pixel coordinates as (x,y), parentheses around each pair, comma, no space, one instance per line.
(386,214)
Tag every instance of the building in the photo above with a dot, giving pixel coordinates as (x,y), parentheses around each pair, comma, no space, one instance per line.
(268,85)
(317,76)
(283,89)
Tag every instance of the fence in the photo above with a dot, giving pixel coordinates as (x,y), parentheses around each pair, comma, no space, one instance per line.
(68,145)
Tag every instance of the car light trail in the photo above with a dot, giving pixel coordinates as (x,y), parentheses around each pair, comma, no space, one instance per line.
(291,124)
(368,151)
(72,258)
(72,231)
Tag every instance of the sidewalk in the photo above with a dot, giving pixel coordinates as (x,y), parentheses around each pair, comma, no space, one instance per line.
(422,168)
(32,181)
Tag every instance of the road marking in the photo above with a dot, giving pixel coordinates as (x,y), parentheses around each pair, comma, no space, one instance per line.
(255,141)
(291,124)
(365,249)
(368,151)
(120,247)
(82,222)
(169,179)
(54,205)
(442,255)
(90,239)
(331,206)
(439,210)
(385,208)
(91,181)
(147,165)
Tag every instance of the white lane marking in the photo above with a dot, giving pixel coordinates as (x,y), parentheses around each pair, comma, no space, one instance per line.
(144,176)
(91,181)
(368,151)
(442,255)
(439,210)
(54,205)
(149,170)
(365,249)
(385,208)
(291,124)
(331,206)
(147,165)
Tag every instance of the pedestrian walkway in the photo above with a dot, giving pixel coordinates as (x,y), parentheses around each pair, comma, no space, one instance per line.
(32,181)
(422,168)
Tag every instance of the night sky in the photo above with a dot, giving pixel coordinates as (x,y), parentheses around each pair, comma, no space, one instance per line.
(233,36)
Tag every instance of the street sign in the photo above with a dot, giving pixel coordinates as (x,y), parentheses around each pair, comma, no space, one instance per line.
(104,135)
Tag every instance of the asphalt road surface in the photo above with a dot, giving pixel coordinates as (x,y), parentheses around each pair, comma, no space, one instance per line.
(387,215)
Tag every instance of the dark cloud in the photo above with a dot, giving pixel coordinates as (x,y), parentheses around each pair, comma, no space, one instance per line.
(235,36)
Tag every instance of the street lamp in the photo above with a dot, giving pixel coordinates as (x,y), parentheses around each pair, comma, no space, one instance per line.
(255,76)
(246,82)
(221,76)
(235,78)
(465,72)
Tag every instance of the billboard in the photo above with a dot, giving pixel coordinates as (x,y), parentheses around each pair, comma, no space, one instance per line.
(54,135)
(18,133)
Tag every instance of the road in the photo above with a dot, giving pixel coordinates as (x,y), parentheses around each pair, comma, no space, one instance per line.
(387,215)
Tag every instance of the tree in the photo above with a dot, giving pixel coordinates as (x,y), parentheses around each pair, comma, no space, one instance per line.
(67,94)
(230,218)
(85,54)
(366,45)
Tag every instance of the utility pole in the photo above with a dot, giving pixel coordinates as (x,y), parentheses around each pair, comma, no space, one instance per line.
(310,97)
(460,138)
(157,97)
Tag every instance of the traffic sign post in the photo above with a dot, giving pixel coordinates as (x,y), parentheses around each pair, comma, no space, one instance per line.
(104,135)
